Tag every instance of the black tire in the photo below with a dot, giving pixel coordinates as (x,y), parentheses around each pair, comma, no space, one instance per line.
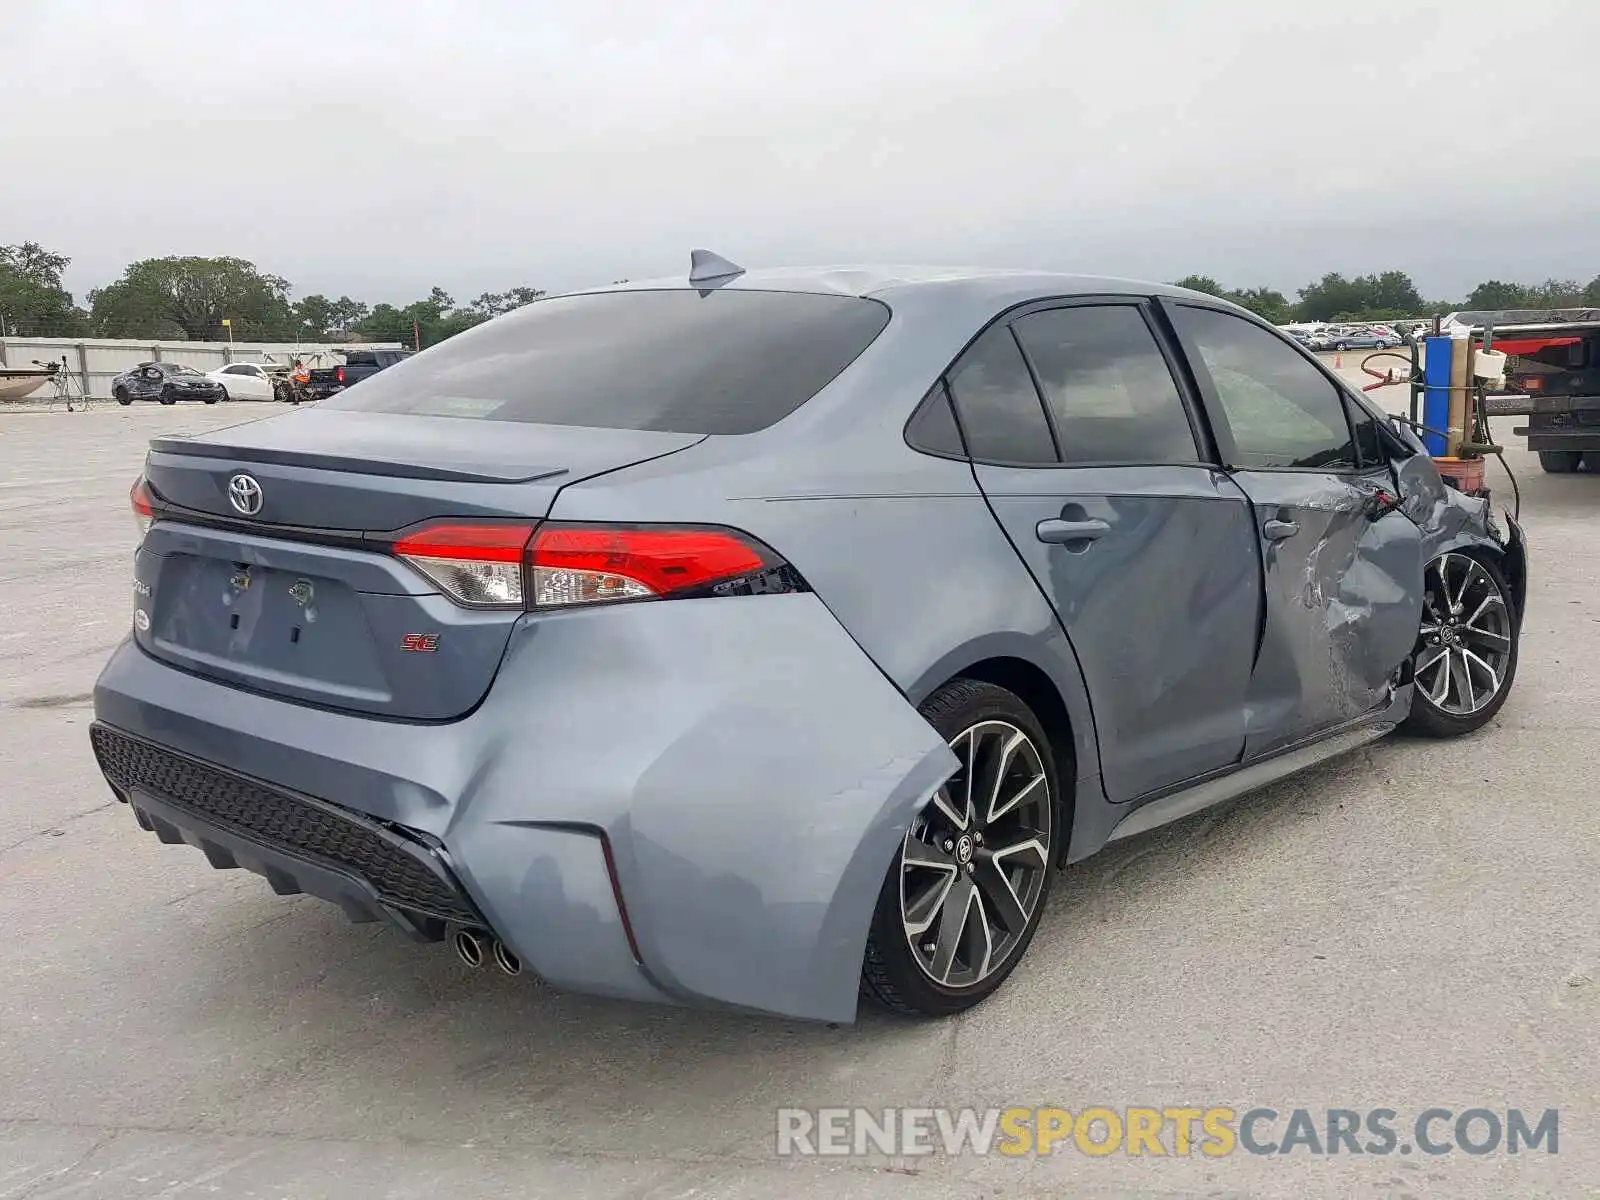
(1560,462)
(892,974)
(222,396)
(1428,719)
(1340,346)
(1382,345)
(120,395)
(167,396)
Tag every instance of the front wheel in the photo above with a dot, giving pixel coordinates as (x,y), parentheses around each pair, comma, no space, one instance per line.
(1341,347)
(1466,655)
(1382,345)
(120,395)
(167,396)
(964,894)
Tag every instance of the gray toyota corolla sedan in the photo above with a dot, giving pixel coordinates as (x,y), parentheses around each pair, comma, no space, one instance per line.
(766,640)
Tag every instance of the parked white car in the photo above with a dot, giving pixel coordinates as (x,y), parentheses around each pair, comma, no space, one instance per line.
(244,381)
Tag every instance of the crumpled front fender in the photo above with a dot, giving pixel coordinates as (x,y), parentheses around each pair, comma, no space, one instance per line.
(751,770)
(1451,520)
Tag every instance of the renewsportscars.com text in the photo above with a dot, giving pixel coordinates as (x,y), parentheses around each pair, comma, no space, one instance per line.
(1098,1131)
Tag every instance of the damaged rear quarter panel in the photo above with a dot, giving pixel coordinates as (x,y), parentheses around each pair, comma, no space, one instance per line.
(752,770)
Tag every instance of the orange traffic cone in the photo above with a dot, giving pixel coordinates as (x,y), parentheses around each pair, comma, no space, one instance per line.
(1338,361)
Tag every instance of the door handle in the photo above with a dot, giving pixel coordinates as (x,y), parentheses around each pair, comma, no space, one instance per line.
(1276,531)
(1063,533)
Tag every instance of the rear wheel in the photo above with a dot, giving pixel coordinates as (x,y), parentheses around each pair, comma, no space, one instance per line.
(1341,346)
(1466,655)
(1382,345)
(1560,462)
(963,897)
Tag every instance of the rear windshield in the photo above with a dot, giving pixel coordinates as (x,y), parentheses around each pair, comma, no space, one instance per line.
(729,361)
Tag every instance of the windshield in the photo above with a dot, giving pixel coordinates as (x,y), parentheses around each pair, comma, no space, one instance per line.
(678,360)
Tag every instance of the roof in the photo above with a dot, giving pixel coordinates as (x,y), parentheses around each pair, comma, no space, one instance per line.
(892,282)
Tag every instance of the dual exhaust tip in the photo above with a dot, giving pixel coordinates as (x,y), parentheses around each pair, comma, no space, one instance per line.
(473,946)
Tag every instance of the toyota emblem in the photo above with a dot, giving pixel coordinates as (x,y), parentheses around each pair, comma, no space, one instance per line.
(244,493)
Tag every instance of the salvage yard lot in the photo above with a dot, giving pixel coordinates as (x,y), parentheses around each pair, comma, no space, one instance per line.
(1415,926)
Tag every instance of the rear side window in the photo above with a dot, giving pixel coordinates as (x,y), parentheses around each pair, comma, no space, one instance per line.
(728,361)
(1281,410)
(360,358)
(998,405)
(932,428)
(1110,392)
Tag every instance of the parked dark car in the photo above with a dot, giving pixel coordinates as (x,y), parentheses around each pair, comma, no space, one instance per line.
(166,382)
(770,640)
(357,365)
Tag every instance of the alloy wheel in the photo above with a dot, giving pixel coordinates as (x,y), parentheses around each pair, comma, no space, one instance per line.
(1465,643)
(974,862)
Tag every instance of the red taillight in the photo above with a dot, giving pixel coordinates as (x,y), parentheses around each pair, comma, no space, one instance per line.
(339,374)
(590,564)
(479,566)
(144,508)
(556,565)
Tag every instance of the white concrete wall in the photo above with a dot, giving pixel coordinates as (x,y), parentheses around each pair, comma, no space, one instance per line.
(93,362)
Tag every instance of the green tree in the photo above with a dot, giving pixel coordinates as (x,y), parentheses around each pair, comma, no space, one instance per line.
(313,317)
(1393,292)
(1388,296)
(1266,303)
(189,297)
(32,301)
(1557,293)
(345,315)
(492,304)
(427,321)
(1493,294)
(1200,283)
(1591,293)
(1327,298)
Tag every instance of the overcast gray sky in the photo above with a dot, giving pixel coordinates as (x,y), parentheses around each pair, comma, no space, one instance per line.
(377,148)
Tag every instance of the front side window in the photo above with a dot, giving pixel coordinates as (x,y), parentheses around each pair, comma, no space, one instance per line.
(998,405)
(1108,387)
(1281,410)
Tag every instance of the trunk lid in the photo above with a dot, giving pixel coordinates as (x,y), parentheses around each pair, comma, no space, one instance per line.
(301,598)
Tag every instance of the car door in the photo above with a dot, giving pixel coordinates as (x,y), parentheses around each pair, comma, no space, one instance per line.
(146,382)
(1090,459)
(1342,567)
(248,382)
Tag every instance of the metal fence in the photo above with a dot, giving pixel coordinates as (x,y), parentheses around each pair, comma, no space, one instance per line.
(94,362)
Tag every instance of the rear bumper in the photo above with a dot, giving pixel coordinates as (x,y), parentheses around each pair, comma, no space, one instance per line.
(748,768)
(298,843)
(1563,423)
